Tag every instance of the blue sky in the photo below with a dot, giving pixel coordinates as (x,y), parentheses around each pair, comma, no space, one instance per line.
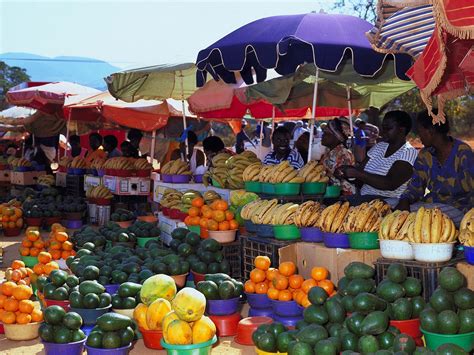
(132,33)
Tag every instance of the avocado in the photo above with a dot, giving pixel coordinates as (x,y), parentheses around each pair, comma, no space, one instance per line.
(354,323)
(335,310)
(317,295)
(451,279)
(91,272)
(75,300)
(442,300)
(450,349)
(368,344)
(126,335)
(213,268)
(46,332)
(129,302)
(60,294)
(94,339)
(375,323)
(91,301)
(401,309)
(72,281)
(385,340)
(429,320)
(357,286)
(418,304)
(315,314)
(412,287)
(464,298)
(390,291)
(129,289)
(466,321)
(397,273)
(89,286)
(48,291)
(72,321)
(78,335)
(326,347)
(54,315)
(312,334)
(105,300)
(349,341)
(358,270)
(113,321)
(184,249)
(366,302)
(192,239)
(226,290)
(62,335)
(58,277)
(448,322)
(211,245)
(348,303)
(174,269)
(404,343)
(111,340)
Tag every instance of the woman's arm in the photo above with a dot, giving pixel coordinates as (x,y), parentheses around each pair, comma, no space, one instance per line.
(417,185)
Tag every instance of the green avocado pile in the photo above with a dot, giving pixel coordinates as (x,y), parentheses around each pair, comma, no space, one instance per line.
(112,330)
(61,327)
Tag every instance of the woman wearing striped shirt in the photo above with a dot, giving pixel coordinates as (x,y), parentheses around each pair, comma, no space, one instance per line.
(389,164)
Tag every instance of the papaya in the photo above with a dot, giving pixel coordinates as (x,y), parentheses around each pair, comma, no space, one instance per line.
(156,312)
(158,286)
(167,319)
(139,314)
(189,304)
(204,330)
(178,332)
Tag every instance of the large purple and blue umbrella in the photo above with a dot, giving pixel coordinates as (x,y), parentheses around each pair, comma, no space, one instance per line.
(285,42)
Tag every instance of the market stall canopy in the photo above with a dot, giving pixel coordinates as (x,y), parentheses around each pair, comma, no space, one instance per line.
(285,42)
(47,98)
(33,121)
(159,82)
(296,90)
(12,114)
(145,115)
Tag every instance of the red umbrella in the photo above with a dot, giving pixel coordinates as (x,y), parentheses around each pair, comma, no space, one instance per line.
(48,98)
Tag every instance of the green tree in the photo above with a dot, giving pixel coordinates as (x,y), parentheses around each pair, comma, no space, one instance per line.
(365,9)
(9,77)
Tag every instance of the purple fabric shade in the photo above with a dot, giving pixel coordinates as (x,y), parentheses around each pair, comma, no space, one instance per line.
(285,42)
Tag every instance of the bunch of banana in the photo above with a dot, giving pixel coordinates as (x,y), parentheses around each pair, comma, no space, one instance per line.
(78,163)
(466,230)
(265,211)
(252,172)
(47,180)
(171,198)
(366,217)
(424,226)
(176,167)
(280,173)
(142,164)
(119,163)
(98,164)
(65,162)
(313,172)
(332,217)
(307,214)
(20,162)
(284,214)
(210,196)
(218,171)
(250,208)
(99,191)
(266,172)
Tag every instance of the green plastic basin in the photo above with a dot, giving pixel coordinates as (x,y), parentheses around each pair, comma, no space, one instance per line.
(286,232)
(434,340)
(142,241)
(253,186)
(332,191)
(195,229)
(364,240)
(287,189)
(193,349)
(314,188)
(267,188)
(30,261)
(216,184)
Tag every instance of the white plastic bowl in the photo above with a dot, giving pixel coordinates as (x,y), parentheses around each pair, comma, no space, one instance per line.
(22,331)
(223,236)
(396,249)
(124,312)
(433,252)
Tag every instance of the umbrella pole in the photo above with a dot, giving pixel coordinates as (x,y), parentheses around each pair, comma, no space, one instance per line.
(313,114)
(349,106)
(261,138)
(183,108)
(67,131)
(153,143)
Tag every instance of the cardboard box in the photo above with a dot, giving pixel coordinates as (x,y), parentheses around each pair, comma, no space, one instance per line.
(140,186)
(468,271)
(61,179)
(25,178)
(308,255)
(5,176)
(167,226)
(127,186)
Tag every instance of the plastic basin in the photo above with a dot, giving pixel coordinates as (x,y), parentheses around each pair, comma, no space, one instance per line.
(332,191)
(89,316)
(180,280)
(469,254)
(253,186)
(12,232)
(223,307)
(30,261)
(314,188)
(74,224)
(265,230)
(197,277)
(434,341)
(262,352)
(250,226)
(226,325)
(216,184)
(247,326)
(410,327)
(364,240)
(180,179)
(63,304)
(336,240)
(21,331)
(114,351)
(125,224)
(287,189)
(152,338)
(267,188)
(195,229)
(112,288)
(261,312)
(287,321)
(258,301)
(166,178)
(144,173)
(396,249)
(75,348)
(49,221)
(223,236)
(287,309)
(193,349)
(142,241)
(148,219)
(311,234)
(433,252)
(198,179)
(286,232)
(34,222)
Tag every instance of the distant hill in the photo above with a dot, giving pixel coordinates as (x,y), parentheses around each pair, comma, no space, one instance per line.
(80,70)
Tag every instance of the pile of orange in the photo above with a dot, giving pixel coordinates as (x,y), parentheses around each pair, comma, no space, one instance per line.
(59,245)
(284,284)
(213,217)
(19,273)
(45,264)
(32,244)
(11,216)
(16,306)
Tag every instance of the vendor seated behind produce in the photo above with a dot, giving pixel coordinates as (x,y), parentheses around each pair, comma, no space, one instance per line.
(213,145)
(444,168)
(195,157)
(282,151)
(389,164)
(110,146)
(335,136)
(95,142)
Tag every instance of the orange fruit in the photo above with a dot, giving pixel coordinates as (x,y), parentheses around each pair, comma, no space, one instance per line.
(34,251)
(10,305)
(224,226)
(229,216)
(197,202)
(44,257)
(206,211)
(295,281)
(13,218)
(37,315)
(65,254)
(203,222)
(7,288)
(220,205)
(57,227)
(218,216)
(262,262)
(24,251)
(56,254)
(26,306)
(212,225)
(271,273)
(261,288)
(194,212)
(8,317)
(298,296)
(55,245)
(187,220)
(16,264)
(22,292)
(319,273)
(19,223)
(280,282)
(2,300)
(233,224)
(18,212)
(305,301)
(16,275)
(327,285)
(285,295)
(67,245)
(26,243)
(249,286)
(50,267)
(39,244)
(257,275)
(61,236)
(287,268)
(308,284)
(11,225)
(39,269)
(23,318)
(33,235)
(273,293)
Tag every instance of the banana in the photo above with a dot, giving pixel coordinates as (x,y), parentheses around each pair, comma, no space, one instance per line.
(376,226)
(418,225)
(339,217)
(397,224)
(436,225)
(426,226)
(387,224)
(371,219)
(329,214)
(404,229)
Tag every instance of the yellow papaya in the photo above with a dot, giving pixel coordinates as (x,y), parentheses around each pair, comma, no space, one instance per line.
(167,319)
(156,312)
(189,304)
(139,314)
(158,286)
(178,332)
(204,330)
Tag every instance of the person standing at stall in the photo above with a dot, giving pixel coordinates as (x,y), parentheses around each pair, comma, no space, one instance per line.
(282,151)
(135,137)
(97,153)
(241,138)
(195,157)
(212,146)
(443,172)
(110,146)
(76,149)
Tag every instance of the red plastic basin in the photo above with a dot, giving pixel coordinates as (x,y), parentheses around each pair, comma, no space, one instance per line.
(226,325)
(247,326)
(63,304)
(410,327)
(152,338)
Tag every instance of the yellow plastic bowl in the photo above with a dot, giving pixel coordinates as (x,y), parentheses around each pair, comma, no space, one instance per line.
(21,331)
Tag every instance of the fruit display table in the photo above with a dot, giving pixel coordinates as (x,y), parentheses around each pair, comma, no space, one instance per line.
(160,187)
